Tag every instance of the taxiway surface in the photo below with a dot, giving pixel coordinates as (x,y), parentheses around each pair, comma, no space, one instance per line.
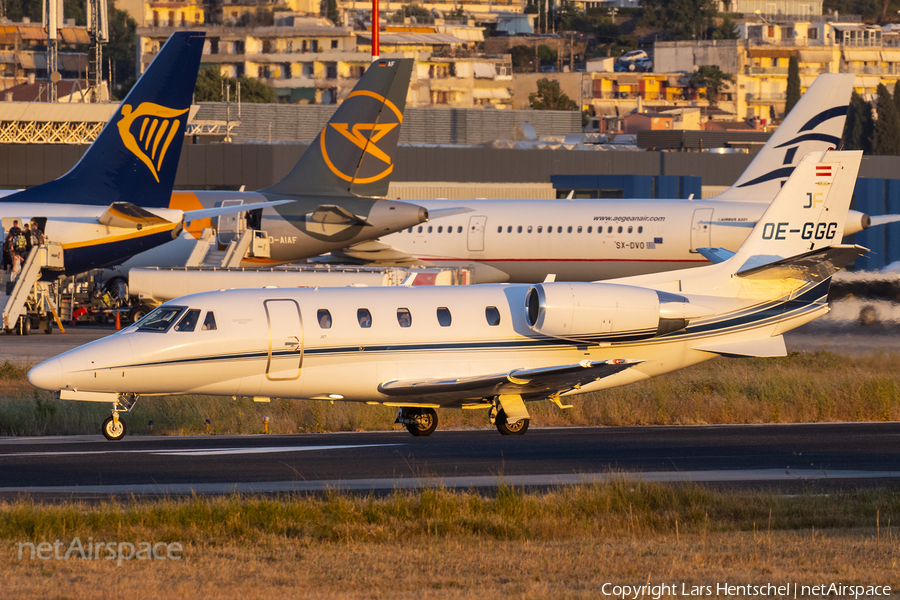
(452,458)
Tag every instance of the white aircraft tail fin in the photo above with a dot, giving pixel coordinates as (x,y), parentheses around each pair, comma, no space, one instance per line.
(809,213)
(815,124)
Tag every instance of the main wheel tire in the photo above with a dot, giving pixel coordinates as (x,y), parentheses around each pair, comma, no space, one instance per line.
(518,428)
(23,327)
(49,328)
(113,430)
(426,423)
(138,312)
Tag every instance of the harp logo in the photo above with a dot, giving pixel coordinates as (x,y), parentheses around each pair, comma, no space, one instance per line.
(156,128)
(341,143)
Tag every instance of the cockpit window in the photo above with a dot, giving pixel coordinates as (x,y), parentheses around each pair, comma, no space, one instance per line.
(160,319)
(209,323)
(189,321)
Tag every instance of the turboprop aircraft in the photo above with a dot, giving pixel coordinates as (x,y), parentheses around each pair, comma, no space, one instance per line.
(491,347)
(101,210)
(586,240)
(323,204)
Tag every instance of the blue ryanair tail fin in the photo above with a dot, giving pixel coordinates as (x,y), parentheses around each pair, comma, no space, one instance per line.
(135,157)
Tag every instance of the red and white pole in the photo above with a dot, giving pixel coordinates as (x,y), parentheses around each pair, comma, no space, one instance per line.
(375,27)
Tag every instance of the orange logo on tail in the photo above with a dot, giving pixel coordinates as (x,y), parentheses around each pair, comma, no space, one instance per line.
(157,122)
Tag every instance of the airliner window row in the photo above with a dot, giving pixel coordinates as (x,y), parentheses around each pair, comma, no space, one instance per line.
(531,229)
(404,317)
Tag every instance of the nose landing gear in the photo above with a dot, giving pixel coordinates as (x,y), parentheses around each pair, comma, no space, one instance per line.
(114,429)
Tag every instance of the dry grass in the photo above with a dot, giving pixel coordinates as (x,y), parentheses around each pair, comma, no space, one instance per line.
(441,544)
(817,387)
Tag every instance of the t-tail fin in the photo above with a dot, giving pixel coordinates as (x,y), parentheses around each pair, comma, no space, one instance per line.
(808,213)
(135,157)
(354,154)
(815,124)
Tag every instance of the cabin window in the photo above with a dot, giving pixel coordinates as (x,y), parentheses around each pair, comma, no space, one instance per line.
(492,315)
(209,323)
(410,230)
(404,317)
(579,229)
(529,229)
(609,230)
(420,229)
(459,229)
(160,319)
(444,316)
(500,229)
(429,229)
(620,229)
(364,317)
(630,229)
(189,321)
(324,318)
(540,228)
(520,229)
(569,230)
(509,229)
(589,229)
(640,230)
(441,229)
(559,229)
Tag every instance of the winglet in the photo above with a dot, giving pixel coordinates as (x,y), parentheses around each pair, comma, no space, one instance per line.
(353,154)
(135,157)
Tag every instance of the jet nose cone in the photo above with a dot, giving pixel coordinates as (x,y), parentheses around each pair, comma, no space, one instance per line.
(47,376)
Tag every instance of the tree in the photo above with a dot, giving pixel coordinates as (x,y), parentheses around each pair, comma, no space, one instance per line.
(522,58)
(550,97)
(330,11)
(679,19)
(726,31)
(713,79)
(897,96)
(792,96)
(858,126)
(886,137)
(211,83)
(546,55)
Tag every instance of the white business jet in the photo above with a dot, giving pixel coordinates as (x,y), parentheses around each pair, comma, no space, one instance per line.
(586,240)
(490,347)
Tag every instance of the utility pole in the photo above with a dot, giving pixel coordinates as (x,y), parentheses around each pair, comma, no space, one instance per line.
(98,31)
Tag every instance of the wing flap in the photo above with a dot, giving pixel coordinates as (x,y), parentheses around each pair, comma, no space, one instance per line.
(764,348)
(543,382)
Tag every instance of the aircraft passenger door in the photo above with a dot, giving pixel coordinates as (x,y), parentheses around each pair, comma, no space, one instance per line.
(231,226)
(285,340)
(701,229)
(475,241)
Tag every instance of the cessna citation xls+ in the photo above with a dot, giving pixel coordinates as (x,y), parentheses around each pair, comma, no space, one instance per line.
(492,347)
(586,240)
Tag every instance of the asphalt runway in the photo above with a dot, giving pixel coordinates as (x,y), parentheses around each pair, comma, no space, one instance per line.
(856,454)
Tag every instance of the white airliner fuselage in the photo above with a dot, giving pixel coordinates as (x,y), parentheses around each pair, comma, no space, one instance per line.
(578,240)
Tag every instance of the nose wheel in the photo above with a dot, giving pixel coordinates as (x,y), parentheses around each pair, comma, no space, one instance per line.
(113,428)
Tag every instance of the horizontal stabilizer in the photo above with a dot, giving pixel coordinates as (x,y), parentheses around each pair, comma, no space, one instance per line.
(763,348)
(883,220)
(208,213)
(375,251)
(448,212)
(543,382)
(812,266)
(125,214)
(715,255)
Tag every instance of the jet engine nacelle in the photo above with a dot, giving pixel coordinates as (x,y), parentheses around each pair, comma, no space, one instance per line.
(605,312)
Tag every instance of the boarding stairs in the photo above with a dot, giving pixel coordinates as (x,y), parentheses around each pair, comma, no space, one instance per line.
(251,243)
(27,295)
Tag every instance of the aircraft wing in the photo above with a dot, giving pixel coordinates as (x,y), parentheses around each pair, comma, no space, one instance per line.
(377,251)
(528,383)
(207,213)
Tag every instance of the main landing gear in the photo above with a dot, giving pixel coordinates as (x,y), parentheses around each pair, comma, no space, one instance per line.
(420,422)
(113,428)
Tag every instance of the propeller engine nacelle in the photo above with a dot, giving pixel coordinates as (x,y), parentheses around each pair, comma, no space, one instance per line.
(598,312)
